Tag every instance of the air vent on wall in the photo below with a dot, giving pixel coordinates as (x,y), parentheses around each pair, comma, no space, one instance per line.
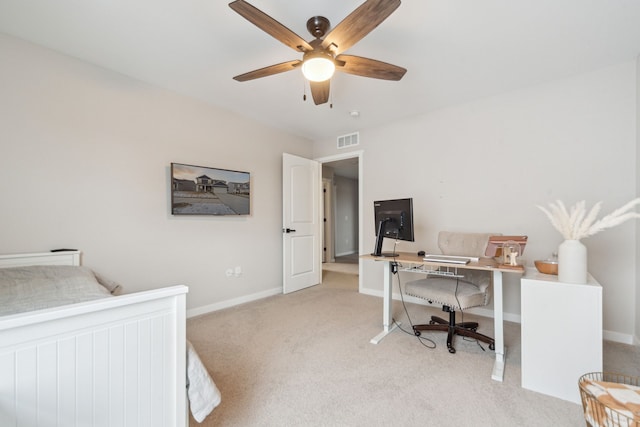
(349,140)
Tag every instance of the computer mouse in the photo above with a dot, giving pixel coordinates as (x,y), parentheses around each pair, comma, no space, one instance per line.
(421,253)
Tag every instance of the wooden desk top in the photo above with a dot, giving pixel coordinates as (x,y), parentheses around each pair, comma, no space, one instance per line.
(482,264)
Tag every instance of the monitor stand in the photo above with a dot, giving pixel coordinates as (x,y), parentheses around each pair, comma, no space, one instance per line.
(379,238)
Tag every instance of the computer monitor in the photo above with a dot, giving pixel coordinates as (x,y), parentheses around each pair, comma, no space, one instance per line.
(393,219)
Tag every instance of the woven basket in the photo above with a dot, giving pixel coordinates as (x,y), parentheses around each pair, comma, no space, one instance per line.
(596,413)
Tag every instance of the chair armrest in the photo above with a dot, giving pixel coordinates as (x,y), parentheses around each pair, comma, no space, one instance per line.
(481,279)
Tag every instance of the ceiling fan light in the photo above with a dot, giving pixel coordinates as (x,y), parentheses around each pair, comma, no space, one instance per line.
(318,69)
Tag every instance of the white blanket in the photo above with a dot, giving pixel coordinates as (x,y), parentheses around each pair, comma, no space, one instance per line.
(203,394)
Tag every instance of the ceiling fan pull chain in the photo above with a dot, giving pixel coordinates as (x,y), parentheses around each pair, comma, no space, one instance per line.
(331,95)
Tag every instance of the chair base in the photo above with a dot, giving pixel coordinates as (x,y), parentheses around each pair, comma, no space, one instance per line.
(466,329)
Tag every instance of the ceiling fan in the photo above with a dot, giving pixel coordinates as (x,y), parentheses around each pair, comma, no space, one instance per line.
(323,55)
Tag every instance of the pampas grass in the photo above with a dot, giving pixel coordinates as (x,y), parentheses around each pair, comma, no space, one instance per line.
(576,223)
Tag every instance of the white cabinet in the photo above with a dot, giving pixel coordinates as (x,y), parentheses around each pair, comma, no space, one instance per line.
(561,333)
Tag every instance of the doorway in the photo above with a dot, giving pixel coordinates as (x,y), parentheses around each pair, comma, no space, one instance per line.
(342,209)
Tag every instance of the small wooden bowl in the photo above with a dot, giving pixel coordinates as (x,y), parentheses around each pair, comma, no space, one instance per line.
(547,266)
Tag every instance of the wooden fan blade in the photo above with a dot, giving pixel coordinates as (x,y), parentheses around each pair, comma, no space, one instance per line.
(268,71)
(366,67)
(320,91)
(270,25)
(358,24)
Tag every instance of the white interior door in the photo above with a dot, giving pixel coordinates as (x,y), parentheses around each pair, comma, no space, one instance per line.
(301,232)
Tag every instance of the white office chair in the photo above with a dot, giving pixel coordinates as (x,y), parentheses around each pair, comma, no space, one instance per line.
(473,289)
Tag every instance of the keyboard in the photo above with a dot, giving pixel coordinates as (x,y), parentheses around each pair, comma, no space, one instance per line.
(448,259)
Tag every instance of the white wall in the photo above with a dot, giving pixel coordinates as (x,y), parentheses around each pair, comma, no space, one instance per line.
(637,330)
(85,156)
(485,165)
(84,163)
(346,217)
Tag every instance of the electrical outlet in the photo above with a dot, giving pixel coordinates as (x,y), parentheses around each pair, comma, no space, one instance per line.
(229,272)
(238,271)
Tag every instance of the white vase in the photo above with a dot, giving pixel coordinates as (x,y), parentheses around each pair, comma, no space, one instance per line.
(572,262)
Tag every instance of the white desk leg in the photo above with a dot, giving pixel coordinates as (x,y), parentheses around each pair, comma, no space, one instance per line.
(386,305)
(501,350)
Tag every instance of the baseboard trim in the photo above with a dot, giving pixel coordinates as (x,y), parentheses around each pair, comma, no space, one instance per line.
(618,337)
(509,317)
(198,311)
(346,253)
(484,312)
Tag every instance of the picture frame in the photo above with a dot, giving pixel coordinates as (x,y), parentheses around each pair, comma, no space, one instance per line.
(202,190)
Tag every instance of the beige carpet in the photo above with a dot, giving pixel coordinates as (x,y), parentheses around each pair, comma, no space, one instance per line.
(347,264)
(340,267)
(304,359)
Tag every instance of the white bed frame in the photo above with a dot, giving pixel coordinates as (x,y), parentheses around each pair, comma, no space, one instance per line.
(111,362)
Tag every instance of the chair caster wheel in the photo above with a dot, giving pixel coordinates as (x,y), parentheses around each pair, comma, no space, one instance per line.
(492,346)
(416,333)
(431,322)
(452,350)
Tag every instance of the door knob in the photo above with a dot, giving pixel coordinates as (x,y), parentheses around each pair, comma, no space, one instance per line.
(289,230)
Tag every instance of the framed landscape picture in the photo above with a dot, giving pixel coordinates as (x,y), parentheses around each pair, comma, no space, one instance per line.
(200,190)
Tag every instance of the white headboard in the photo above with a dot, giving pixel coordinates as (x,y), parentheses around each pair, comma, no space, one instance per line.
(43,258)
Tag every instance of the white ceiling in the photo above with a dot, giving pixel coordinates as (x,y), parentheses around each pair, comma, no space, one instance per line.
(454,50)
